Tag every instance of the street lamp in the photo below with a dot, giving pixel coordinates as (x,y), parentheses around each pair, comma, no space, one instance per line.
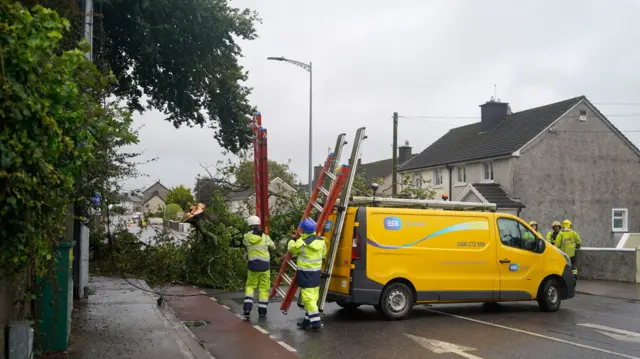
(308,68)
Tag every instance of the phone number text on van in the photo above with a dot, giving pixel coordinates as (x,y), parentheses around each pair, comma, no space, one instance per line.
(472,244)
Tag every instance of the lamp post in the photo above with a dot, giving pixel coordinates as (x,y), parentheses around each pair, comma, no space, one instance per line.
(308,68)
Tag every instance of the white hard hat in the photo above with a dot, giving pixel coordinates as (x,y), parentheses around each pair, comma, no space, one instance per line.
(253,221)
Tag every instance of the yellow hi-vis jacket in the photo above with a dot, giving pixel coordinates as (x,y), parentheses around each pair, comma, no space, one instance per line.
(258,251)
(310,250)
(566,240)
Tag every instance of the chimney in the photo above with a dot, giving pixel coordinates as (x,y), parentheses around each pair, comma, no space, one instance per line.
(316,173)
(404,153)
(492,113)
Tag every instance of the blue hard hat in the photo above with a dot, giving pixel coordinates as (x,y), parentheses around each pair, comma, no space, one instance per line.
(308,226)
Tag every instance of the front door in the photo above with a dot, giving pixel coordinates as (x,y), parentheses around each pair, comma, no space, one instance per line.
(519,263)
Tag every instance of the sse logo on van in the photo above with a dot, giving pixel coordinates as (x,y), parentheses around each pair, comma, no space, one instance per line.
(327,226)
(392,223)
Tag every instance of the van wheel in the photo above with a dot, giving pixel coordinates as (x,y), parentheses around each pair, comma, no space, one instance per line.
(549,296)
(347,305)
(397,301)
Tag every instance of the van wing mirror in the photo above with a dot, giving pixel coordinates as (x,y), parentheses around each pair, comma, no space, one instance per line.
(540,246)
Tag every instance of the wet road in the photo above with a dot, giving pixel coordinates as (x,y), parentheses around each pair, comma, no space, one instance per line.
(585,327)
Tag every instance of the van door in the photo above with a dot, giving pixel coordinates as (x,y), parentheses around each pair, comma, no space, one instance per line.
(519,263)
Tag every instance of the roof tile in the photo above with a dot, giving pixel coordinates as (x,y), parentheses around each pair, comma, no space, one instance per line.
(466,143)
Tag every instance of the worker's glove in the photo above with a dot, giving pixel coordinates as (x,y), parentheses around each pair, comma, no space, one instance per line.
(578,246)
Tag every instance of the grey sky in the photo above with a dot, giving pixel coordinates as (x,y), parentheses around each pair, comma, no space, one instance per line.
(419,58)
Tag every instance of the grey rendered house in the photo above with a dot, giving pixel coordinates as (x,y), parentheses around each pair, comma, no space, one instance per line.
(562,160)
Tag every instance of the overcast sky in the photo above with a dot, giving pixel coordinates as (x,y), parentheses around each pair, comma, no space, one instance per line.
(419,58)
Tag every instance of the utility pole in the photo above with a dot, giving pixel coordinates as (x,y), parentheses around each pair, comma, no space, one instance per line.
(394,171)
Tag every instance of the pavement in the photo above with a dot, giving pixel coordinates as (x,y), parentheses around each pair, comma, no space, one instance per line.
(119,321)
(587,326)
(601,288)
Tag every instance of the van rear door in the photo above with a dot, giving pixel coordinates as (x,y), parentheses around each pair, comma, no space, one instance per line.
(341,273)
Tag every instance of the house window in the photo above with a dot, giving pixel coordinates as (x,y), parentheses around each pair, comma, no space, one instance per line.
(619,220)
(488,171)
(417,180)
(462,174)
(437,177)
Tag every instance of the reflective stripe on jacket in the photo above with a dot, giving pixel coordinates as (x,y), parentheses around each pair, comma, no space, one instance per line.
(310,250)
(258,251)
(566,240)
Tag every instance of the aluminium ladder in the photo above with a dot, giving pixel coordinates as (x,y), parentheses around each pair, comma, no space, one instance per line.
(340,217)
(336,182)
(340,191)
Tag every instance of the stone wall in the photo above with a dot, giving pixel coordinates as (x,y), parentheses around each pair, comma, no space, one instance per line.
(615,264)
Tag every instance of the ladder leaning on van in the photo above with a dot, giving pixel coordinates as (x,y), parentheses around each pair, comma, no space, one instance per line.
(338,197)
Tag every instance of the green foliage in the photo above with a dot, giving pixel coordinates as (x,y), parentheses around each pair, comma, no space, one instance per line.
(172,210)
(58,144)
(181,196)
(183,56)
(362,186)
(415,187)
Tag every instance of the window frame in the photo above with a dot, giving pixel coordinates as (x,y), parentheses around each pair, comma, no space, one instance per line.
(484,172)
(417,179)
(625,219)
(464,172)
(436,172)
(539,247)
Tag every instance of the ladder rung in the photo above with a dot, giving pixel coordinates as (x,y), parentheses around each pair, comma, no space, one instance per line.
(292,264)
(317,206)
(324,191)
(286,278)
(331,175)
(282,293)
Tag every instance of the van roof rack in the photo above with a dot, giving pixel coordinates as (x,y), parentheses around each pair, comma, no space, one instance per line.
(428,203)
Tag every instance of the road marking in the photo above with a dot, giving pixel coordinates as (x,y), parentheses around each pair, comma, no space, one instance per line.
(260,329)
(226,307)
(240,316)
(203,292)
(440,347)
(213,299)
(618,334)
(535,335)
(287,346)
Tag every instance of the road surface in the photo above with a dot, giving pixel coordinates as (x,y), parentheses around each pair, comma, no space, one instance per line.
(585,327)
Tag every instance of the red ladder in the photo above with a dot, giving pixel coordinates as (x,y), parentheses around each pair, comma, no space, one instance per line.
(261,172)
(325,211)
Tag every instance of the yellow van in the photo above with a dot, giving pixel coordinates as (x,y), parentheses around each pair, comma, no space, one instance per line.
(393,258)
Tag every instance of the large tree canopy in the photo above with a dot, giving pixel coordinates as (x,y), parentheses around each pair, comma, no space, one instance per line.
(183,56)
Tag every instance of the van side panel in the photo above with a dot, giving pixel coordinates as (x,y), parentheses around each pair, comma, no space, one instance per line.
(467,265)
(446,255)
(340,276)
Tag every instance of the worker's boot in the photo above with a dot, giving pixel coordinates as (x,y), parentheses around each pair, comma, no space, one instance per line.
(315,322)
(248,305)
(304,323)
(262,312)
